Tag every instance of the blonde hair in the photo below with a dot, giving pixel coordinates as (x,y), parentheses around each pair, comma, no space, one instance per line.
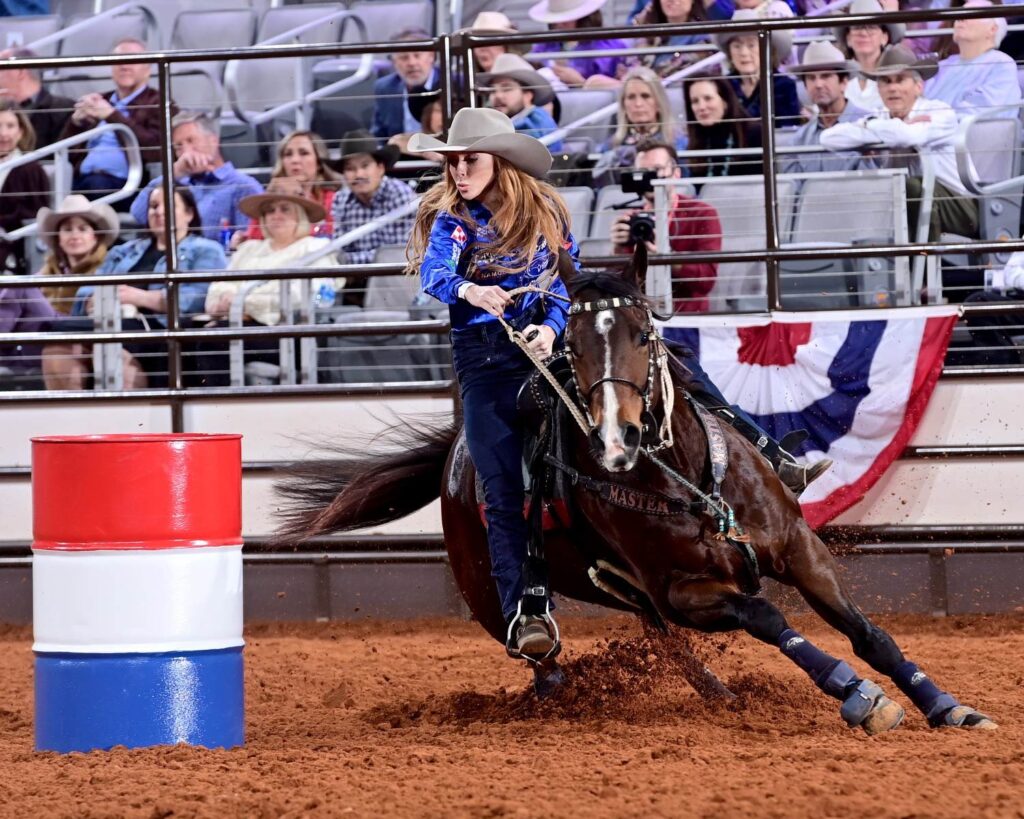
(27,141)
(530,210)
(326,176)
(302,229)
(666,129)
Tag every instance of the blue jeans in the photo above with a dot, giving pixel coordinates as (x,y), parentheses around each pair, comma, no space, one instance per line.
(490,370)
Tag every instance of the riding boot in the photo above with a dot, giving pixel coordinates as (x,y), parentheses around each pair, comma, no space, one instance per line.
(796,475)
(532,636)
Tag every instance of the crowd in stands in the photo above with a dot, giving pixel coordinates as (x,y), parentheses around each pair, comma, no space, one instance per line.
(864,95)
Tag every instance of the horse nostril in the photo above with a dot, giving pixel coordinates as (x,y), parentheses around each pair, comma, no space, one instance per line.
(631,436)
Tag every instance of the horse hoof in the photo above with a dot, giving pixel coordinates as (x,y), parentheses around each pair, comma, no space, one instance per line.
(546,683)
(884,716)
(962,716)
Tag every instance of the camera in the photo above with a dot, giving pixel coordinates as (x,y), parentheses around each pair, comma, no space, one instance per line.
(638,182)
(641,227)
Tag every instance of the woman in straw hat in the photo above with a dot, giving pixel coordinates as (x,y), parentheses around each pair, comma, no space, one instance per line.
(79,232)
(491,225)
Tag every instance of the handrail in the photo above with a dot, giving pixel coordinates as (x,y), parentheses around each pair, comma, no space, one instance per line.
(131,184)
(99,17)
(965,164)
(363,71)
(339,242)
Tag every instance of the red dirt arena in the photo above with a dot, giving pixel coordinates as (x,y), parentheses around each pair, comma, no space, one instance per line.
(430,719)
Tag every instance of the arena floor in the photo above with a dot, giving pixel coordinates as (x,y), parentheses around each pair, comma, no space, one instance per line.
(430,719)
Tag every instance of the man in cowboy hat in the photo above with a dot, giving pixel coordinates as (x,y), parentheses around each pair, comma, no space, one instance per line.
(369,194)
(217,185)
(518,91)
(825,73)
(910,120)
(402,95)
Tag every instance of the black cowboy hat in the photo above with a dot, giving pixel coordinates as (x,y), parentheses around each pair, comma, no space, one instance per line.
(362,141)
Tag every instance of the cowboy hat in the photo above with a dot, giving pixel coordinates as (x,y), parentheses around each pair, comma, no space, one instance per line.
(514,67)
(899,58)
(284,188)
(896,30)
(362,141)
(101,216)
(782,40)
(486,131)
(493,23)
(562,11)
(821,55)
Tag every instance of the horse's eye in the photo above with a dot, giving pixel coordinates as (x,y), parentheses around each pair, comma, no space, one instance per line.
(645,337)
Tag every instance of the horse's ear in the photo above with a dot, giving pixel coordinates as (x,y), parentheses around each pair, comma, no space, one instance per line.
(566,267)
(636,270)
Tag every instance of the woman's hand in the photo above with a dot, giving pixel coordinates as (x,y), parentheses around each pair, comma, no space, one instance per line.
(490,298)
(567,74)
(221,307)
(146,299)
(543,339)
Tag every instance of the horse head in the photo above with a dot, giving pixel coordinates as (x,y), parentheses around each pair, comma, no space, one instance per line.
(609,336)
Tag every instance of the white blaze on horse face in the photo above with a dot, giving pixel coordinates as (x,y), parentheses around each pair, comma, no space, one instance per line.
(614,447)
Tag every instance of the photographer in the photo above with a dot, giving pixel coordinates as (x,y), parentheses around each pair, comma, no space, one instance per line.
(693,228)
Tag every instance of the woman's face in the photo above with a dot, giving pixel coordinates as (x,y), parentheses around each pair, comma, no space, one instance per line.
(565,25)
(281,221)
(435,122)
(743,55)
(472,173)
(10,132)
(708,106)
(639,103)
(76,237)
(486,55)
(182,214)
(866,41)
(677,11)
(298,158)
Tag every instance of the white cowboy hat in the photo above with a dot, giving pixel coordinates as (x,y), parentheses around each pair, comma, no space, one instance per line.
(821,55)
(486,131)
(782,41)
(514,67)
(494,22)
(562,11)
(101,216)
(896,30)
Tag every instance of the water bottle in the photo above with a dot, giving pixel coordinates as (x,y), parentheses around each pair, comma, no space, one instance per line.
(225,234)
(325,296)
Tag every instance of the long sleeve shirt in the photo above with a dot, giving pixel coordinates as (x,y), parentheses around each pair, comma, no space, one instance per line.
(977,86)
(457,255)
(349,212)
(810,134)
(587,66)
(930,124)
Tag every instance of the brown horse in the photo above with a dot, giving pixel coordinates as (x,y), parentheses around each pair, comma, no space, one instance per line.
(644,508)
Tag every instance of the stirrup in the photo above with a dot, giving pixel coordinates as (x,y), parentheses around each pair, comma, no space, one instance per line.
(799,476)
(518,621)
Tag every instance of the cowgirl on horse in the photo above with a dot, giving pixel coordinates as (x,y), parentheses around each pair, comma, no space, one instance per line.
(492,225)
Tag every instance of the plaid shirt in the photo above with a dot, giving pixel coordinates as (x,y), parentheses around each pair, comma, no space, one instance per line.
(348,213)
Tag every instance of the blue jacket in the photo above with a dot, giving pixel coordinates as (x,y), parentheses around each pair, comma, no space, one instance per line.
(446,265)
(389,110)
(537,123)
(194,253)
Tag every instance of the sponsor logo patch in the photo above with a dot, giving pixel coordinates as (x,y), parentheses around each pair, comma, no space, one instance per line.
(793,642)
(918,678)
(459,235)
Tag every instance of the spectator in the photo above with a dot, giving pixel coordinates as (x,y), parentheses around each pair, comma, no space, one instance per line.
(79,233)
(825,73)
(371,194)
(25,188)
(492,23)
(216,184)
(518,91)
(302,156)
(715,121)
(745,62)
(865,44)
(23,8)
(979,79)
(47,113)
(644,113)
(910,120)
(22,310)
(675,12)
(402,95)
(995,331)
(693,228)
(103,166)
(712,9)
(143,308)
(573,72)
(285,215)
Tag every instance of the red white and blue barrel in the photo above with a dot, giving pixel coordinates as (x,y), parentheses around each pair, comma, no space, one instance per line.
(137,591)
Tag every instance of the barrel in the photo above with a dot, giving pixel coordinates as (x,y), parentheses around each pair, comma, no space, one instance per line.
(137,591)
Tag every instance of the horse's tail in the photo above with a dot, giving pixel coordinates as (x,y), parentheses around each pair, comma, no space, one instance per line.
(399,472)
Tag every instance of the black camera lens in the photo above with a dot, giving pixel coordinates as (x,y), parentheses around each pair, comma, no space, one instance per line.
(641,227)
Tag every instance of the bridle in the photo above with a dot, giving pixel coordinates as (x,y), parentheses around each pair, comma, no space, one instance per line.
(654,436)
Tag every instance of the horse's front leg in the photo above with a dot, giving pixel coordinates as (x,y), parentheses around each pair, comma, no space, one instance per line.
(710,605)
(812,569)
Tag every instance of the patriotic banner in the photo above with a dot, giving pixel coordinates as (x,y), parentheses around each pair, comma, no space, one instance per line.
(858,385)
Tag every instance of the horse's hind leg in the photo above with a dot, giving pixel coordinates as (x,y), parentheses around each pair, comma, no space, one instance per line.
(711,606)
(811,568)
